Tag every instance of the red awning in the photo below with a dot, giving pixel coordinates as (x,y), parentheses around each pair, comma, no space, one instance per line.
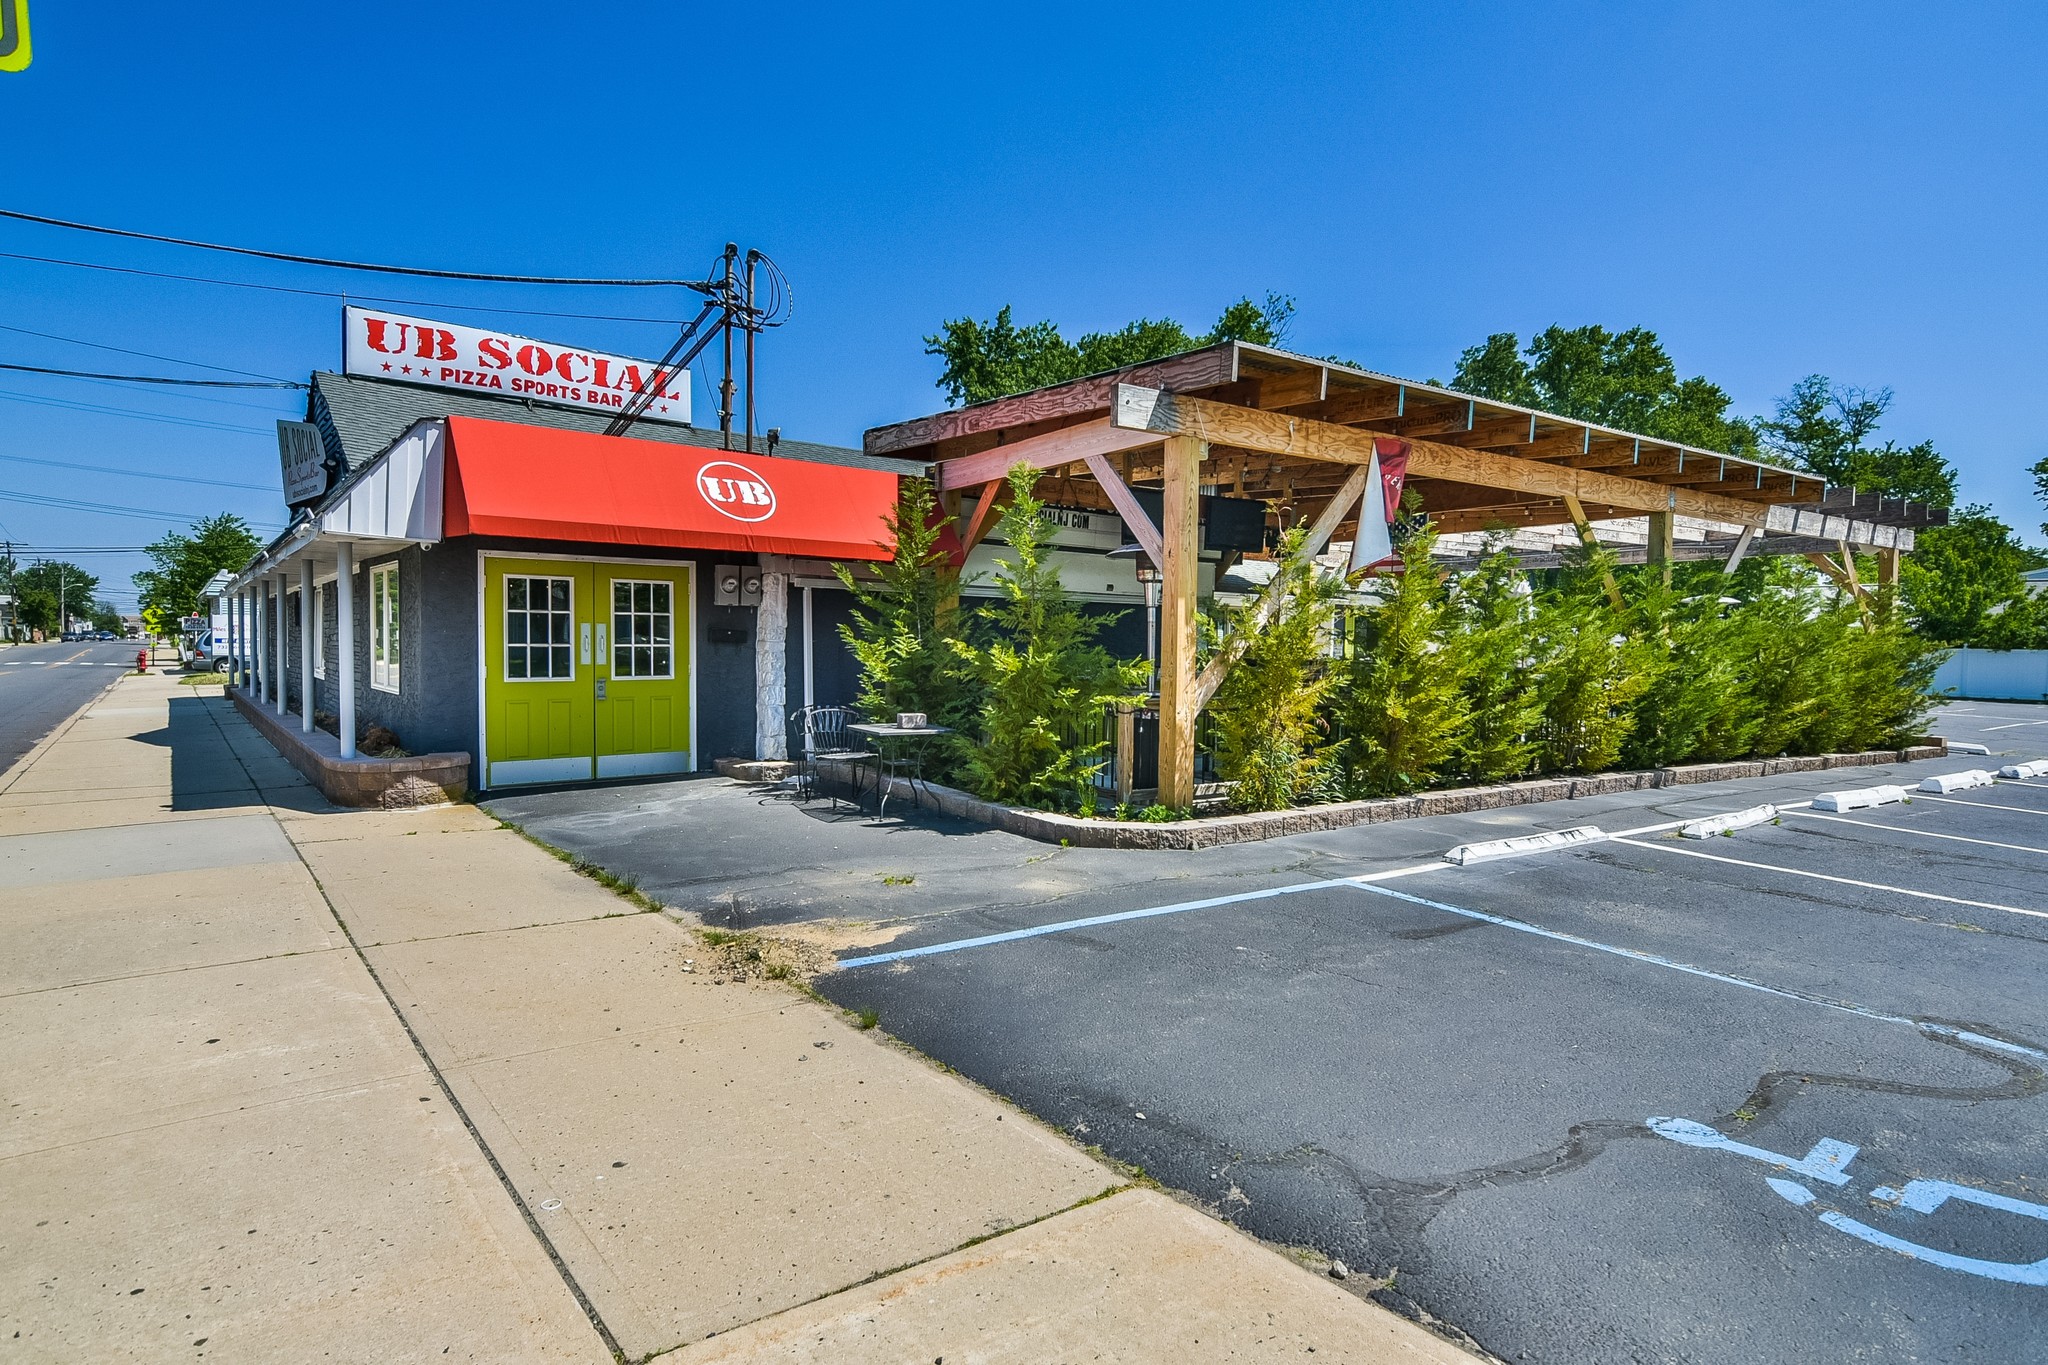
(505,479)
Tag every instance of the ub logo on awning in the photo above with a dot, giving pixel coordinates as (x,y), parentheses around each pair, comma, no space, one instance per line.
(736,490)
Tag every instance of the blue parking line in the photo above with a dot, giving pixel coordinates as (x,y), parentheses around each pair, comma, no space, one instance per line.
(958,944)
(1636,955)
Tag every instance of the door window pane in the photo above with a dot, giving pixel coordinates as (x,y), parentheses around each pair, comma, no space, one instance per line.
(641,620)
(539,615)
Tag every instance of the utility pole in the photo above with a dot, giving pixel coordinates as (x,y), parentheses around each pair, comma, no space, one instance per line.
(725,388)
(752,256)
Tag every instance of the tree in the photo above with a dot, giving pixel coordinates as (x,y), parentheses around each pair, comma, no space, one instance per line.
(1590,671)
(38,587)
(2040,472)
(1822,426)
(1268,712)
(185,562)
(1617,379)
(996,358)
(1045,683)
(901,623)
(1403,704)
(1962,584)
(1496,645)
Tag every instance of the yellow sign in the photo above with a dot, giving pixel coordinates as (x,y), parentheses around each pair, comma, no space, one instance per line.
(14,49)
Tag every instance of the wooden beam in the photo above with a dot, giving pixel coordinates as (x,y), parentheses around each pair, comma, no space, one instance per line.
(1250,429)
(1888,568)
(1742,544)
(1206,368)
(1181,542)
(1135,521)
(1592,542)
(1068,445)
(984,517)
(1267,609)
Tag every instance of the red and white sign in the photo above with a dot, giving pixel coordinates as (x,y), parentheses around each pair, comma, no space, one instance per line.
(448,355)
(736,491)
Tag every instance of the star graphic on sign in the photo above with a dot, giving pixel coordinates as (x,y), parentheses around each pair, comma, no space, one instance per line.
(387,367)
(664,407)
(406,368)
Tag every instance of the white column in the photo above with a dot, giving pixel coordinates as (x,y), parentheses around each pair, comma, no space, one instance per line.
(306,645)
(259,637)
(282,636)
(771,668)
(345,663)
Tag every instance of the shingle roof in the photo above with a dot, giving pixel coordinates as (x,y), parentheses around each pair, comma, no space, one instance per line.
(358,418)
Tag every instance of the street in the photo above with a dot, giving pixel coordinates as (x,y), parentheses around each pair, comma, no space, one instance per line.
(1484,1087)
(40,685)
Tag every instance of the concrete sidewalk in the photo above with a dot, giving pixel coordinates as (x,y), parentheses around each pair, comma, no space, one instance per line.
(289,1081)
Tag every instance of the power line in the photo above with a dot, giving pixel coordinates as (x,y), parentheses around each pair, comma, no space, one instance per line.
(159,379)
(295,259)
(138,474)
(111,509)
(146,355)
(330,293)
(137,414)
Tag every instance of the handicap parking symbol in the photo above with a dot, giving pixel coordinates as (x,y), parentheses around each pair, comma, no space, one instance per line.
(1827,1163)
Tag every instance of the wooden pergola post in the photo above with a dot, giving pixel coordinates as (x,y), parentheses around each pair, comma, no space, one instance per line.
(1660,543)
(1180,544)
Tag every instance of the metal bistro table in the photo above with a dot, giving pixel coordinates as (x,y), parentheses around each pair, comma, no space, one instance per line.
(895,761)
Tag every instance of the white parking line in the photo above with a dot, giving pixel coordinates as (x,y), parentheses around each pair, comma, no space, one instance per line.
(1980,805)
(1179,907)
(1828,877)
(2016,725)
(1923,833)
(1652,959)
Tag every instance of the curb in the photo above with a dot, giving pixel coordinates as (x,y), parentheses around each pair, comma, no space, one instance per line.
(1215,831)
(19,768)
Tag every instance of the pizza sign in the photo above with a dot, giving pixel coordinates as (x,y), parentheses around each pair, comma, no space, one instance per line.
(449,355)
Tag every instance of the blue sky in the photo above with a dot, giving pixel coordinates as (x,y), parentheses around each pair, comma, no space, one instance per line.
(1776,189)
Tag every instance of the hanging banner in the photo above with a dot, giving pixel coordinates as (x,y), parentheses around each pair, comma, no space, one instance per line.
(448,355)
(1374,543)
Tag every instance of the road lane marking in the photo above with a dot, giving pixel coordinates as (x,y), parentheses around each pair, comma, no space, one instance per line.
(1829,877)
(2016,725)
(1672,964)
(1121,916)
(1923,833)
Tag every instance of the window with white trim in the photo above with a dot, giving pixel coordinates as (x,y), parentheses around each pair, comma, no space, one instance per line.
(384,628)
(319,631)
(540,617)
(643,625)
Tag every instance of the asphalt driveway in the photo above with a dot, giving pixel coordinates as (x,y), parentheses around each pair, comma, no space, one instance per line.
(1780,1096)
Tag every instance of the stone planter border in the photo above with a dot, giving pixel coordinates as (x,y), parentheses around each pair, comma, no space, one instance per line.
(379,783)
(1211,831)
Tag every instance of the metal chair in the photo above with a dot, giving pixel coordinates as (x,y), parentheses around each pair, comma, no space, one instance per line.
(819,734)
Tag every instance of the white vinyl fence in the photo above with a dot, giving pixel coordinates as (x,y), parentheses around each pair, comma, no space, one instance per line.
(1995,674)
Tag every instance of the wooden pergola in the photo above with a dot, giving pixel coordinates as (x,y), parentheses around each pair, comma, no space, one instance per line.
(1299,434)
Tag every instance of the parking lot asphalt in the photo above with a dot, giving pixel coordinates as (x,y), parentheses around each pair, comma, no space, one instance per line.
(1778,1096)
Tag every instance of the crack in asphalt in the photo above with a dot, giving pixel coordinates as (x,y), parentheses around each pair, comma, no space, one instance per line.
(1298,1196)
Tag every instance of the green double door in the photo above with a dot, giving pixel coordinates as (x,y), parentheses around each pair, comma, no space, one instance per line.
(586,670)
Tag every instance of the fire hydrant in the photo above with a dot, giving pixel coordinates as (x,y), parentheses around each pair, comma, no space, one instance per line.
(142,661)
